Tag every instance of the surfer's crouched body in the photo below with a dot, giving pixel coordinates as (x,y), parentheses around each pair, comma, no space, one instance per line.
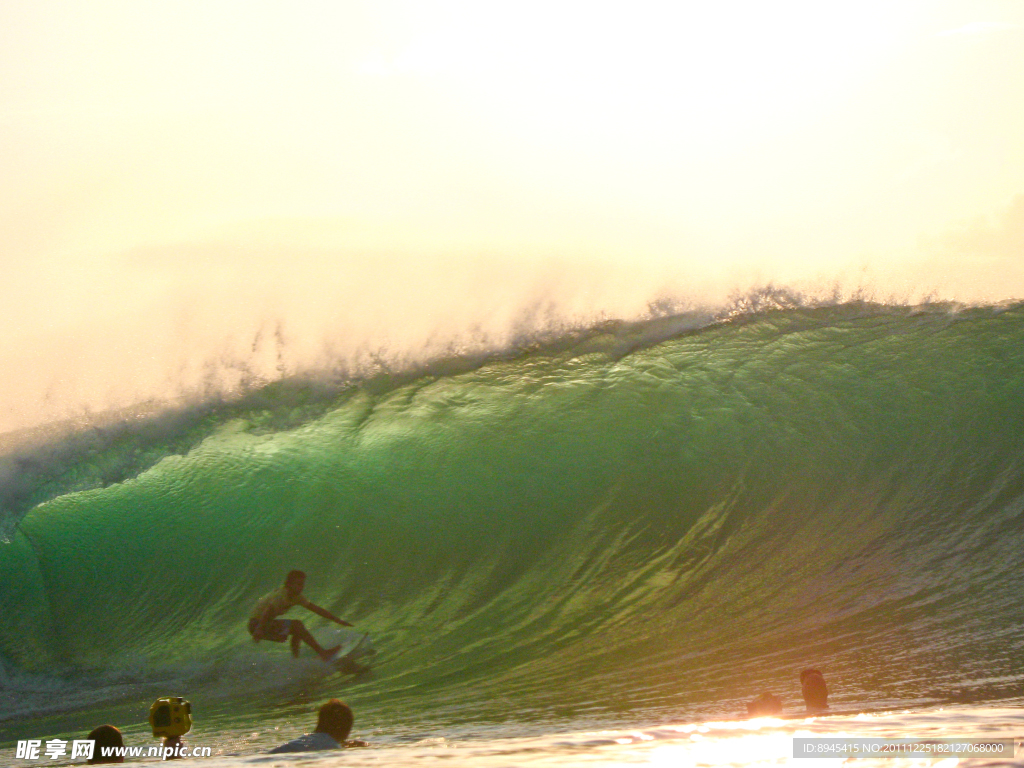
(264,626)
(333,725)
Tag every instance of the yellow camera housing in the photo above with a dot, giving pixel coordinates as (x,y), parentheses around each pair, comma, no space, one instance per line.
(170,716)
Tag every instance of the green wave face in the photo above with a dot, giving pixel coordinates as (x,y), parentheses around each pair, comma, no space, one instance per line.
(838,486)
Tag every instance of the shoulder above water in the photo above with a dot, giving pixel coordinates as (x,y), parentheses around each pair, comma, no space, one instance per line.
(311,742)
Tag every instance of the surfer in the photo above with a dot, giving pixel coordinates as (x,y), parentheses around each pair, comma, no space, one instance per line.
(263,624)
(333,725)
(812,685)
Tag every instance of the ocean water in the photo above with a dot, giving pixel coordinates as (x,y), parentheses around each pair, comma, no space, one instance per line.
(592,550)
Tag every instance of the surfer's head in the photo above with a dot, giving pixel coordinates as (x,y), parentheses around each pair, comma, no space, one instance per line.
(105,736)
(765,705)
(812,683)
(335,719)
(295,581)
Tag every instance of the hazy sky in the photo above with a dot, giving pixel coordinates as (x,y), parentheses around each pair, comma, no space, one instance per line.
(180,182)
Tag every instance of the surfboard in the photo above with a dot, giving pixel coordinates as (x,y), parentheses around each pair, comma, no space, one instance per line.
(352,658)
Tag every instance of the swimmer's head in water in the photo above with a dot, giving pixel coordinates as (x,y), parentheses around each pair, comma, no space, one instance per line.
(335,719)
(765,705)
(815,692)
(105,736)
(295,581)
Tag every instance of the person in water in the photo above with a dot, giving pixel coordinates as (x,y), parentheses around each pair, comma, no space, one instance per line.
(333,725)
(105,737)
(765,705)
(264,624)
(173,745)
(812,684)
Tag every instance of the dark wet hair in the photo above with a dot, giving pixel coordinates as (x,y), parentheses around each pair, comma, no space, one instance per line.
(335,719)
(808,673)
(295,575)
(105,736)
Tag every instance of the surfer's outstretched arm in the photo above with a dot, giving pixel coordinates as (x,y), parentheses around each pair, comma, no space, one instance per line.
(327,615)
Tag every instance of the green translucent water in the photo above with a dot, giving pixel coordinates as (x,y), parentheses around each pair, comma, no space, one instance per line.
(597,526)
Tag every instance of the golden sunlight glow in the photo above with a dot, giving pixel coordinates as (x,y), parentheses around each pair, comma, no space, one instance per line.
(213,164)
(717,71)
